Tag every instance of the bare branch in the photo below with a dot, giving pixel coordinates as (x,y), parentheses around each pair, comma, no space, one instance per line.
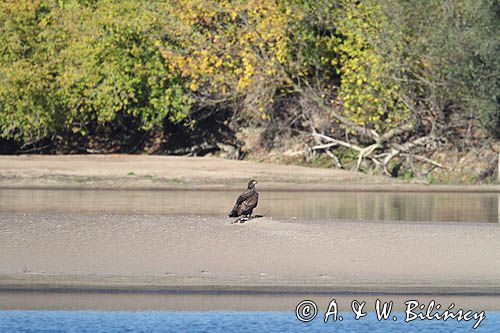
(395,132)
(339,142)
(424,159)
(325,146)
(334,158)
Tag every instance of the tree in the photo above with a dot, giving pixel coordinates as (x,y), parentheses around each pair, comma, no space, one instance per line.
(69,65)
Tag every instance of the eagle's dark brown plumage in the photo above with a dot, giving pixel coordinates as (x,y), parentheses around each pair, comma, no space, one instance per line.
(246,202)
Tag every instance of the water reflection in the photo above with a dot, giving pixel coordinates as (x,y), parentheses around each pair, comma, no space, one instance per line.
(457,207)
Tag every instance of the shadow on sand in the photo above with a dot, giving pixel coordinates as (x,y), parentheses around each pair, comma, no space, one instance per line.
(246,219)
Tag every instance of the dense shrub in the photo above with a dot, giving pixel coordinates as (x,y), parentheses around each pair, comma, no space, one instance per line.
(69,64)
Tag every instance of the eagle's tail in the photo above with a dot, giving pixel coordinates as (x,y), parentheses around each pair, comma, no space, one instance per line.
(234,212)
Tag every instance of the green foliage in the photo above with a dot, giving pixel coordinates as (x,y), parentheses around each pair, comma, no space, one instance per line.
(450,54)
(116,68)
(29,102)
(71,63)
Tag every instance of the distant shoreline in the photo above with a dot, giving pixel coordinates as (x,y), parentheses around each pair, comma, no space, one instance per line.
(149,173)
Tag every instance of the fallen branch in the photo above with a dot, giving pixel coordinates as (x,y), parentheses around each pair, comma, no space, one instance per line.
(338,142)
(335,159)
(366,152)
(395,132)
(424,159)
(396,149)
(325,146)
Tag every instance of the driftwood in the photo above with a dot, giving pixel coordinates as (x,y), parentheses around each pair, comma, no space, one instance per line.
(381,153)
(381,148)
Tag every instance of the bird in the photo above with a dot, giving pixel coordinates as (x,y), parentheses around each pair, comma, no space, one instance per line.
(246,202)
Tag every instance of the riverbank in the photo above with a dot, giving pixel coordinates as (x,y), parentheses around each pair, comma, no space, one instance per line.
(139,172)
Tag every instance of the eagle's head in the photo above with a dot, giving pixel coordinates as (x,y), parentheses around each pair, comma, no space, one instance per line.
(251,184)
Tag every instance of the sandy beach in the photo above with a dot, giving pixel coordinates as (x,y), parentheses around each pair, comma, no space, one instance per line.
(141,172)
(164,172)
(161,253)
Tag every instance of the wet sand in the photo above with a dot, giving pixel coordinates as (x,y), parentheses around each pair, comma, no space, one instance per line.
(146,253)
(220,302)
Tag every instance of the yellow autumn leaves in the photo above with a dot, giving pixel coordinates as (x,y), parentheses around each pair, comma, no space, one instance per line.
(230,48)
(225,47)
(366,91)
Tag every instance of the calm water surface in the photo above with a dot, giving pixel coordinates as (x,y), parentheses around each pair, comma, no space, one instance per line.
(223,321)
(365,206)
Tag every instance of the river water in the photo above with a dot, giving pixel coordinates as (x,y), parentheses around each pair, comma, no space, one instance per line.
(221,321)
(363,206)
